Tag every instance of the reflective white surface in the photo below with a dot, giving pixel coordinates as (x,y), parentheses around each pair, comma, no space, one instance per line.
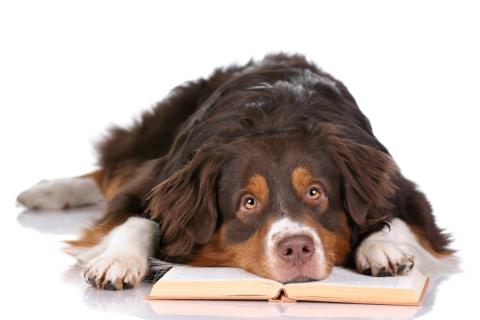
(70,69)
(42,281)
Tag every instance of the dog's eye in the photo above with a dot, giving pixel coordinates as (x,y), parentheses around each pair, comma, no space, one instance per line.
(250,203)
(314,193)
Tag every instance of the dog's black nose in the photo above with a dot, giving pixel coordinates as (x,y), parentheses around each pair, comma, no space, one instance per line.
(296,249)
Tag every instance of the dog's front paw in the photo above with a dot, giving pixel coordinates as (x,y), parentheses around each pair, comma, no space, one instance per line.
(115,273)
(383,258)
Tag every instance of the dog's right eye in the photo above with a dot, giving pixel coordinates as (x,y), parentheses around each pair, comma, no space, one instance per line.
(314,193)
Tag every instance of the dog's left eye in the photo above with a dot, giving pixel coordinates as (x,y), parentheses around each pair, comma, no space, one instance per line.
(249,203)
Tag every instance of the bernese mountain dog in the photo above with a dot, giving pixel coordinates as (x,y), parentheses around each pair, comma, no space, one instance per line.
(269,166)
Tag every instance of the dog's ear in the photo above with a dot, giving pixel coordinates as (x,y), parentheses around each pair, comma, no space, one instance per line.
(186,204)
(367,176)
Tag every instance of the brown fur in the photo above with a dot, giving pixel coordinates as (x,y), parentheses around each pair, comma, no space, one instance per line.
(367,176)
(185,204)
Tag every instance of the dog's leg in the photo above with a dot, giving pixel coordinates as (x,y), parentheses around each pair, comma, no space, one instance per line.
(63,193)
(120,260)
(395,250)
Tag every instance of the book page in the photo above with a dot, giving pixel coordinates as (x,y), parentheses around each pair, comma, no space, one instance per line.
(339,276)
(185,282)
(346,277)
(187,273)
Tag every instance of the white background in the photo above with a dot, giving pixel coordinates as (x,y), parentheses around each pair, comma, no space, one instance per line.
(68,70)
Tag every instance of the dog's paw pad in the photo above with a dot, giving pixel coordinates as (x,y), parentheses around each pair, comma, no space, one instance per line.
(384,273)
(115,273)
(367,272)
(405,268)
(91,281)
(109,286)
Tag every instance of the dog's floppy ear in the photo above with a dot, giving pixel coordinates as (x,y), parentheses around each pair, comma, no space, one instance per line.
(186,204)
(366,174)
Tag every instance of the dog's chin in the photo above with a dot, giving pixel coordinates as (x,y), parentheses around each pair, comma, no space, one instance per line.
(303,274)
(300,278)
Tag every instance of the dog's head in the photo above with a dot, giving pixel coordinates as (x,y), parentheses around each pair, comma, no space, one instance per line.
(280,205)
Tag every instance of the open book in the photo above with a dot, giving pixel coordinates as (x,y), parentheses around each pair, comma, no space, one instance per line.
(212,283)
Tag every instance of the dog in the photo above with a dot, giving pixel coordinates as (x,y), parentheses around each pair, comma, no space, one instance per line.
(269,166)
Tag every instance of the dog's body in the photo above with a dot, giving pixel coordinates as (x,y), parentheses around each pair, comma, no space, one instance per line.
(270,167)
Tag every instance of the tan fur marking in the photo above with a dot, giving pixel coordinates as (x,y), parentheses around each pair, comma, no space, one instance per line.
(214,252)
(301,178)
(336,245)
(257,186)
(98,176)
(249,255)
(109,186)
(93,235)
(425,243)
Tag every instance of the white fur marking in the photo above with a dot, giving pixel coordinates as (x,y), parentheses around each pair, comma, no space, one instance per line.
(302,84)
(61,193)
(122,257)
(260,86)
(285,227)
(309,78)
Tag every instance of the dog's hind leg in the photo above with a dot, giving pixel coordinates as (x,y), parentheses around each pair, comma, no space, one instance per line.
(65,193)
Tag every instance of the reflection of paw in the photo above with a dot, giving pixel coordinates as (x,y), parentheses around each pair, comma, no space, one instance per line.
(60,194)
(115,273)
(382,258)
